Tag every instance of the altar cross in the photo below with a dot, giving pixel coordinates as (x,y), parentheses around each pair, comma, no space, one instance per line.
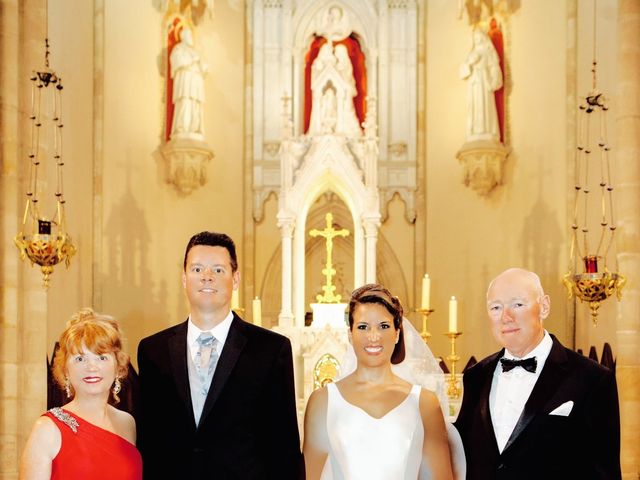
(329,233)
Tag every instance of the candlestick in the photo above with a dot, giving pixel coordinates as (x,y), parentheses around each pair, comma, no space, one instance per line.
(426,292)
(453,315)
(425,312)
(257,312)
(453,386)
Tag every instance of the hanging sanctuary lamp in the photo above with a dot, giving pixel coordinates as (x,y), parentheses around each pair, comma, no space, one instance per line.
(43,237)
(593,274)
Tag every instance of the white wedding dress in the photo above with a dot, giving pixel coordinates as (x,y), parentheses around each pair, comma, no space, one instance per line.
(363,447)
(369,448)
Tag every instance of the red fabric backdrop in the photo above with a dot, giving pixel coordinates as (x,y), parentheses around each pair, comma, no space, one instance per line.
(495,34)
(359,73)
(172,39)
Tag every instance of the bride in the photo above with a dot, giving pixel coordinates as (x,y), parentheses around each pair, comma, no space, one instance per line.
(373,424)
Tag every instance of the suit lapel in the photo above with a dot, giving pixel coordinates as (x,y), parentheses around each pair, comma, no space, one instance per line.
(550,379)
(485,410)
(230,353)
(178,358)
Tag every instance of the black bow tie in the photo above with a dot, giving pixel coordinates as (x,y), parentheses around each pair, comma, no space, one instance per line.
(529,364)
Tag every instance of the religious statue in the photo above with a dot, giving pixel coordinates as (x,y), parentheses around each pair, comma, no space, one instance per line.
(329,106)
(187,72)
(323,60)
(482,70)
(334,24)
(350,125)
(335,92)
(335,44)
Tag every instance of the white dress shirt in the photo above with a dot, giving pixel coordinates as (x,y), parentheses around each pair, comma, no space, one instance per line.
(511,390)
(219,332)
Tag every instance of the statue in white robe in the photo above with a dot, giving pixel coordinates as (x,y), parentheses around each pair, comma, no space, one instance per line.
(187,71)
(482,71)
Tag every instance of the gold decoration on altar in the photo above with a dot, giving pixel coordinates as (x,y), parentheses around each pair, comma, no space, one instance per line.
(36,240)
(329,233)
(453,385)
(425,312)
(325,371)
(593,281)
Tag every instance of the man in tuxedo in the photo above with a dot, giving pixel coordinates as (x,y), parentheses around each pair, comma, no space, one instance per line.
(536,409)
(217,393)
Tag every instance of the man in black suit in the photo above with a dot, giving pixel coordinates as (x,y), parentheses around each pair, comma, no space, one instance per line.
(536,410)
(217,393)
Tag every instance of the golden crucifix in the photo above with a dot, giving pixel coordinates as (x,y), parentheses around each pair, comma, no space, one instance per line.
(329,233)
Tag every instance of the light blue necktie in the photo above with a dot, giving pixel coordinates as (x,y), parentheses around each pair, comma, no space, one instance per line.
(206,359)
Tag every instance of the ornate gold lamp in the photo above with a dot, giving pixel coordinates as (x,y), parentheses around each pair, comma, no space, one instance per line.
(44,239)
(590,277)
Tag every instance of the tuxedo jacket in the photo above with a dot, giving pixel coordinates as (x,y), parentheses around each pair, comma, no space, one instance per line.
(248,428)
(585,444)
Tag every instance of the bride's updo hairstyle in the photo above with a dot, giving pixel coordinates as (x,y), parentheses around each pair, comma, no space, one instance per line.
(99,334)
(376,293)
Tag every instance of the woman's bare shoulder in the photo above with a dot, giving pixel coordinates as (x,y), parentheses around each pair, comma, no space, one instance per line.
(124,424)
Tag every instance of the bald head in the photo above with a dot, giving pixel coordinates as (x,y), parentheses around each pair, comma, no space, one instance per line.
(517,307)
(520,276)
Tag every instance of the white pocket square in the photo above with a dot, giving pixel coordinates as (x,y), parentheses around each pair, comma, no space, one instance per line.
(563,410)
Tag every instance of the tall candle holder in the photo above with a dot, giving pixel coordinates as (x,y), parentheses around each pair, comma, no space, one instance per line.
(239,311)
(425,312)
(453,386)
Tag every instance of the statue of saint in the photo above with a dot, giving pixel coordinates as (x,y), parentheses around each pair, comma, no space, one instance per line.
(350,124)
(482,71)
(334,24)
(329,106)
(187,72)
(336,108)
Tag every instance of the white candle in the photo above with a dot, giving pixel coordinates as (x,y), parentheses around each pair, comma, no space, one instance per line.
(453,315)
(257,312)
(235,300)
(426,291)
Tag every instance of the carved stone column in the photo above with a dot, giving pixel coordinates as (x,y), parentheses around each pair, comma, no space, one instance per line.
(23,309)
(628,179)
(371,239)
(285,319)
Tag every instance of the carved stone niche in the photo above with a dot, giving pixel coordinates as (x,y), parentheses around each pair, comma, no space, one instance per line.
(185,163)
(482,164)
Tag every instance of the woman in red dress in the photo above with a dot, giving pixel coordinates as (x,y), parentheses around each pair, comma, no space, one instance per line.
(87,438)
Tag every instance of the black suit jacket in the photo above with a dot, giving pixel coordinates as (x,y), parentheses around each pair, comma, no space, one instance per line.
(248,428)
(584,445)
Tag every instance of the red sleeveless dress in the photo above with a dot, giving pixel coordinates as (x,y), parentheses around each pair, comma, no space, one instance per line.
(90,452)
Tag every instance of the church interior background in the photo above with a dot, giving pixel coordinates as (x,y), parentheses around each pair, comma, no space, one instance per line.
(378,129)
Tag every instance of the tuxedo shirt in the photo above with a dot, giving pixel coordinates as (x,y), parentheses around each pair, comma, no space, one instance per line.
(511,390)
(219,332)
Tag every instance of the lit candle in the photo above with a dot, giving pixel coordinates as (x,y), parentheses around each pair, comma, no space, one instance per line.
(257,312)
(235,300)
(453,315)
(426,288)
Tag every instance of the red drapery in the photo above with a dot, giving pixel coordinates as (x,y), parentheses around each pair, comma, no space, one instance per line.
(359,73)
(495,34)
(172,38)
